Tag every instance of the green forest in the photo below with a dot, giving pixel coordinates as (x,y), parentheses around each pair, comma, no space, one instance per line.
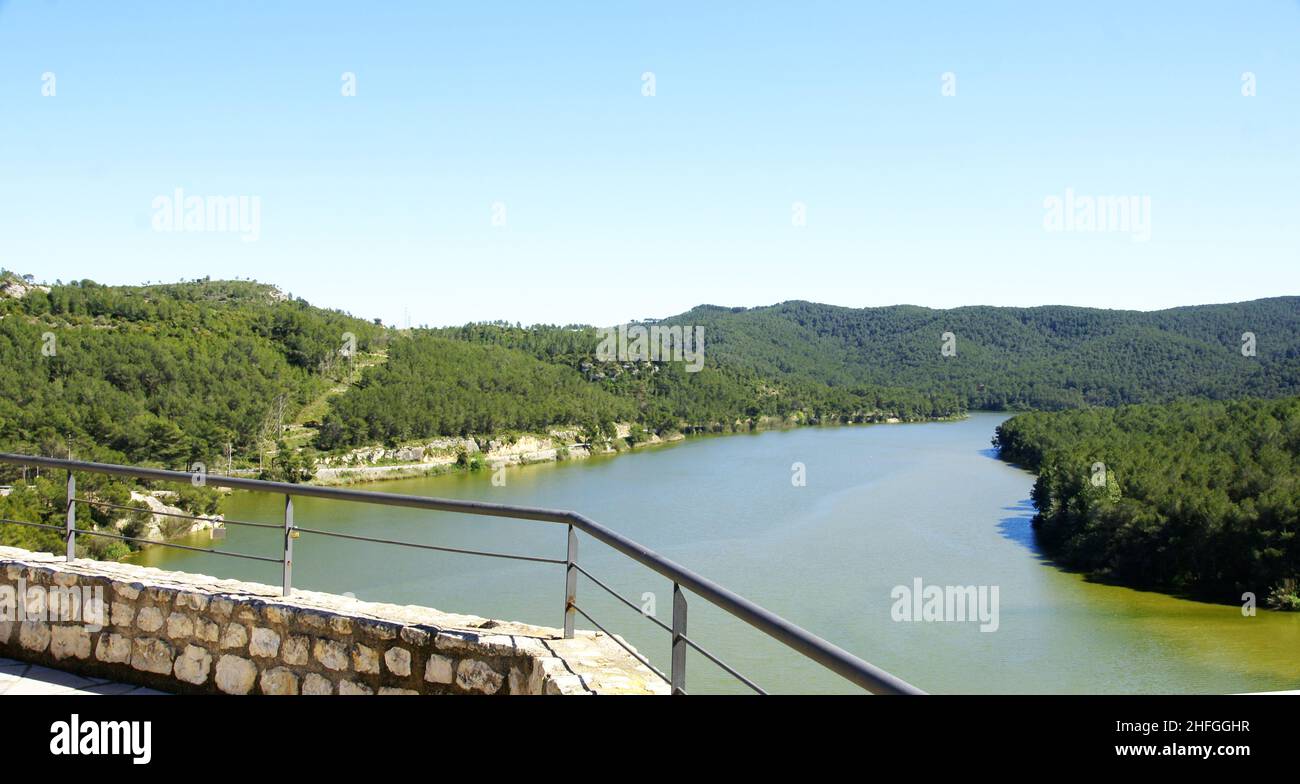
(160,375)
(151,375)
(170,374)
(1199,494)
(1044,358)
(1200,498)
(488,378)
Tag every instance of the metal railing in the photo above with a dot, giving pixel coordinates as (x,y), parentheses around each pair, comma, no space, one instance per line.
(830,656)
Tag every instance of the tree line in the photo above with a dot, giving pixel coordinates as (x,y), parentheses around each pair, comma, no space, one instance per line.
(172,374)
(1046,358)
(161,375)
(1192,497)
(485,378)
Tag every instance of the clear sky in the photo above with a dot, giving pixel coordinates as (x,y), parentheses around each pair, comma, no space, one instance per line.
(619,205)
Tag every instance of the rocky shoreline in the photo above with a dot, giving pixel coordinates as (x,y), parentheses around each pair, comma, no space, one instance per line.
(443,455)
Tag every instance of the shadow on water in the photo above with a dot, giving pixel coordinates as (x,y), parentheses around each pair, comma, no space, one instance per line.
(1019,526)
(993,453)
(1019,529)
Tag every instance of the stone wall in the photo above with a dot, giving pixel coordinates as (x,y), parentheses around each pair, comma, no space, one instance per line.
(192,633)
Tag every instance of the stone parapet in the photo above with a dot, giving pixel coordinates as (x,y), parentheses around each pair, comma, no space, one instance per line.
(183,632)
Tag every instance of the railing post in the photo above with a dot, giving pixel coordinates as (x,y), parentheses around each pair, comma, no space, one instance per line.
(70,536)
(678,672)
(287,582)
(571,584)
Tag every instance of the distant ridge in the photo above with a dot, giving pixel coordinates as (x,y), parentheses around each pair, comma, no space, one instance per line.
(1053,356)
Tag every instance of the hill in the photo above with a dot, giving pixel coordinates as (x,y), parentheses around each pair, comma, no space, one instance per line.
(172,374)
(487,378)
(1050,357)
(1195,497)
(161,374)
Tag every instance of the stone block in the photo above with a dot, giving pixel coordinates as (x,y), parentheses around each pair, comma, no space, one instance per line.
(439,669)
(398,661)
(265,643)
(69,642)
(149,654)
(235,674)
(193,665)
(332,654)
(279,680)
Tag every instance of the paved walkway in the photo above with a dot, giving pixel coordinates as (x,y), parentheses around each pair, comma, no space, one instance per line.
(22,678)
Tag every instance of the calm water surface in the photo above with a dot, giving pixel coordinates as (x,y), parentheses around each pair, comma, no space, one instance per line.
(882,505)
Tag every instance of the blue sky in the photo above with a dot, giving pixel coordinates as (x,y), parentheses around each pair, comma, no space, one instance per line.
(619,205)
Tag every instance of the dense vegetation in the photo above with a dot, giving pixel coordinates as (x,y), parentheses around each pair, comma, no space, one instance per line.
(819,363)
(1194,497)
(41,499)
(1019,358)
(433,386)
(485,378)
(172,374)
(160,374)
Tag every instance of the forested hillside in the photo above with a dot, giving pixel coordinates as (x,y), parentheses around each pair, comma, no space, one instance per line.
(152,375)
(433,386)
(486,378)
(1204,497)
(1045,357)
(172,373)
(161,374)
(1198,497)
(818,363)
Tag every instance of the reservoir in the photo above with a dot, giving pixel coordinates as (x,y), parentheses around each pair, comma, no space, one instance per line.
(880,507)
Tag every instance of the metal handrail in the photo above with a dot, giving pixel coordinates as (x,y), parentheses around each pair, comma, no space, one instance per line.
(830,656)
(149,511)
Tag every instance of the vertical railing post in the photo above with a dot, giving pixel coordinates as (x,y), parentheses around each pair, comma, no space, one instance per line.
(71,534)
(287,582)
(678,672)
(571,584)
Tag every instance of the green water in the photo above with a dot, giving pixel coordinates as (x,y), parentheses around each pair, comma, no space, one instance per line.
(882,505)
